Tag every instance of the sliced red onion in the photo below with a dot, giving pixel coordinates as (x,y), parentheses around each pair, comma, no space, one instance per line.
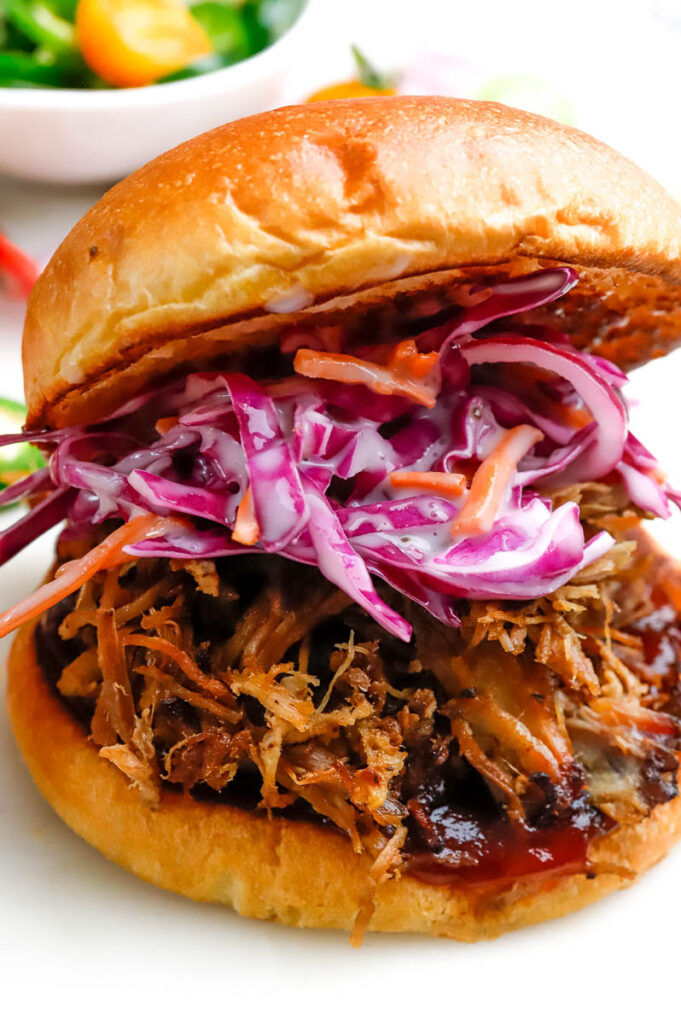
(511,411)
(610,373)
(558,461)
(606,406)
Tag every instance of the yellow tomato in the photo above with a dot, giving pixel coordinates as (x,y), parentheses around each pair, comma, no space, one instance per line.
(136,42)
(347,90)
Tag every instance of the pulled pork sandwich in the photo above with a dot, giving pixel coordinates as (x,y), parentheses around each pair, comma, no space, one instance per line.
(352,622)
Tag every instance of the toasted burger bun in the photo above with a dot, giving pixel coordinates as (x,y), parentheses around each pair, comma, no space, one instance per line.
(303,212)
(293,872)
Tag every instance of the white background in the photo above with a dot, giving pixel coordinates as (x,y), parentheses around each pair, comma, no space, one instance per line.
(78,936)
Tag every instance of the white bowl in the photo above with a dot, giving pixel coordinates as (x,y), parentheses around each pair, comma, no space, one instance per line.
(78,136)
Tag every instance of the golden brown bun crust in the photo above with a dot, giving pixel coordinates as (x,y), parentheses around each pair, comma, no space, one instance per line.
(293,872)
(247,224)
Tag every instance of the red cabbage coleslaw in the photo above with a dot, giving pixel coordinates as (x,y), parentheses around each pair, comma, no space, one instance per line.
(428,464)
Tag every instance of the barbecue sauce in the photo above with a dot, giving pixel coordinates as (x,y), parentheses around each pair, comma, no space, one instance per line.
(478,850)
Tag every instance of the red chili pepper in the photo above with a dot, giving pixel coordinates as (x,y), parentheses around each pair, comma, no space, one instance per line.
(18,269)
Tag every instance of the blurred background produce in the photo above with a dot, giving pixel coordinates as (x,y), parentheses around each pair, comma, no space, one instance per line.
(17,460)
(369,81)
(98,44)
(18,272)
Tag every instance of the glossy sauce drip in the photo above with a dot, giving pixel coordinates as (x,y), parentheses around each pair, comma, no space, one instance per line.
(661,637)
(479,850)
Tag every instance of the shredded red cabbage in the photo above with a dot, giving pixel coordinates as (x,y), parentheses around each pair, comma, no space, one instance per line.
(317,456)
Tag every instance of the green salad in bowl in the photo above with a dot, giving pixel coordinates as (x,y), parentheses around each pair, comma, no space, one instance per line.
(100,44)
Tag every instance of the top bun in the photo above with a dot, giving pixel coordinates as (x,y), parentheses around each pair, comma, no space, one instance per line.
(305,211)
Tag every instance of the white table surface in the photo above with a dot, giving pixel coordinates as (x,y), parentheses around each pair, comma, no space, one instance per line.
(78,935)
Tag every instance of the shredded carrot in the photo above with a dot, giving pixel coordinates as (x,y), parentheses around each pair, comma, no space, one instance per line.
(246,529)
(72,575)
(165,423)
(384,380)
(406,360)
(450,484)
(611,522)
(491,481)
(573,415)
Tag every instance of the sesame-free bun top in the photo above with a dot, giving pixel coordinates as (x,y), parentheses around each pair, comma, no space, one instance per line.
(328,210)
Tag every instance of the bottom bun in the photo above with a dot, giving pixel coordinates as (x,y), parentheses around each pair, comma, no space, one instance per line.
(293,872)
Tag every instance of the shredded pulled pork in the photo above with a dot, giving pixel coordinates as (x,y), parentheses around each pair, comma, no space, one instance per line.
(261,682)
